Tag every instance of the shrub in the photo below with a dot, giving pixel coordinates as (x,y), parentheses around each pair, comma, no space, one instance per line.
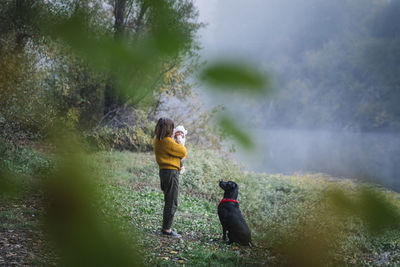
(22,160)
(132,138)
(123,128)
(204,169)
(18,166)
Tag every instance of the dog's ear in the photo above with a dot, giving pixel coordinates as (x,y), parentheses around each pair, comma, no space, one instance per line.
(235,185)
(232,185)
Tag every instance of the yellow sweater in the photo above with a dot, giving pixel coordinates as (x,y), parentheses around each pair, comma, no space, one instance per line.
(168,153)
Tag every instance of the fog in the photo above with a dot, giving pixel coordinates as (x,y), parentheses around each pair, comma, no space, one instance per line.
(367,156)
(333,105)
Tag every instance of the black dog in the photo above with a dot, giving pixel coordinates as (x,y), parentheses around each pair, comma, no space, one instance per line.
(230,216)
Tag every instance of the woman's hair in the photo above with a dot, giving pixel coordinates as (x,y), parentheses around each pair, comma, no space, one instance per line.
(164,128)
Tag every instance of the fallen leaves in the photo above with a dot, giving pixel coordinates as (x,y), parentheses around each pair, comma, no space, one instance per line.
(24,243)
(178,260)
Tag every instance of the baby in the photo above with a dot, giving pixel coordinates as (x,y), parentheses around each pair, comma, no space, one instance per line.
(179,136)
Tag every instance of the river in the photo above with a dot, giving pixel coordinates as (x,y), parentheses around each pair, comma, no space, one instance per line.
(370,156)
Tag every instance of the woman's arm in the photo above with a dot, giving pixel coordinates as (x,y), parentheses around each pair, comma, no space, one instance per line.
(176,150)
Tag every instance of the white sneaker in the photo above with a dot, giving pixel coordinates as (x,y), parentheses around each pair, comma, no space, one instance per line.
(171,234)
(182,170)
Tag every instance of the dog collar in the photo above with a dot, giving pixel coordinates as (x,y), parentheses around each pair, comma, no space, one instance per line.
(227,200)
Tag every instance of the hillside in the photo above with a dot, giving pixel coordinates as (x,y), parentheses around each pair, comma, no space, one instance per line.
(292,218)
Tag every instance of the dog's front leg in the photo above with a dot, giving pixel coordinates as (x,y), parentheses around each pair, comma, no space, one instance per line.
(224,233)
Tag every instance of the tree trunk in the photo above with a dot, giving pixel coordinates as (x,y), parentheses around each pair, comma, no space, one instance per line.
(119,15)
(110,96)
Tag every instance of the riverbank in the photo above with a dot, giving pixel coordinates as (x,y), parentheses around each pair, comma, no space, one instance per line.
(292,218)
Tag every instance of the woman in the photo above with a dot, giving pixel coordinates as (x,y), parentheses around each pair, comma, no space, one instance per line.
(168,155)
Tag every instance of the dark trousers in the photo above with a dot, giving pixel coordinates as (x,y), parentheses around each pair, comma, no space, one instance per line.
(169,180)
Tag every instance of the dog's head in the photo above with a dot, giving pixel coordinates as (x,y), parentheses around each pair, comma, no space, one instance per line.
(231,189)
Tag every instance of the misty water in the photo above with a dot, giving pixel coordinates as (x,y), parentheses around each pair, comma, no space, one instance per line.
(332,64)
(357,155)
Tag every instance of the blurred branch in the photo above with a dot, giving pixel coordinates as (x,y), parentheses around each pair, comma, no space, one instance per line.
(139,20)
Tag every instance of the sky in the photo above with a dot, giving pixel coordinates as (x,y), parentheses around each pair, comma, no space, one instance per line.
(245,28)
(207,13)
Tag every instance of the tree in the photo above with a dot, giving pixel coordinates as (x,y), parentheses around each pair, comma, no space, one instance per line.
(138,19)
(79,89)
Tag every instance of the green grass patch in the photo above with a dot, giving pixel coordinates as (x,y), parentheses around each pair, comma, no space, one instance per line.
(292,218)
(277,208)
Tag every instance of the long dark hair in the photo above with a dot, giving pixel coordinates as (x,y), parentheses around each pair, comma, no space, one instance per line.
(164,128)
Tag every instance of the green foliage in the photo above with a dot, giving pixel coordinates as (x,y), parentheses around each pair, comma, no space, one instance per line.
(376,208)
(23,161)
(63,60)
(80,233)
(127,138)
(134,66)
(124,129)
(230,127)
(80,68)
(19,167)
(75,90)
(234,76)
(230,77)
(24,110)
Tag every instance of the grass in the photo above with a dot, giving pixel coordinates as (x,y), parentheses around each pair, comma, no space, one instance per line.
(22,241)
(136,197)
(195,219)
(279,209)
(292,218)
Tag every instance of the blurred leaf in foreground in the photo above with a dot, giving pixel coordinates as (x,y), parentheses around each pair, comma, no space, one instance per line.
(233,76)
(229,127)
(320,230)
(80,231)
(9,184)
(310,244)
(375,208)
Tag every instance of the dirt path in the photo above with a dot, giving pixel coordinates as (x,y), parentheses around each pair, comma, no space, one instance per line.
(22,243)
